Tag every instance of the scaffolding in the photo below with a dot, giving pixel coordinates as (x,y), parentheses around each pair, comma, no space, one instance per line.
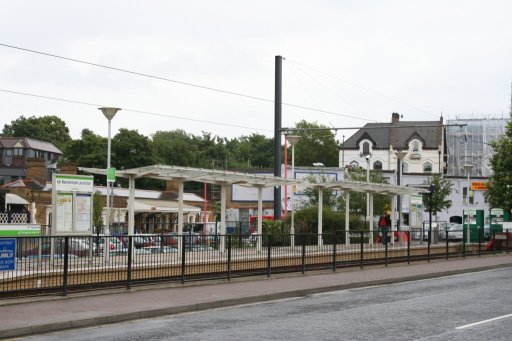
(469,144)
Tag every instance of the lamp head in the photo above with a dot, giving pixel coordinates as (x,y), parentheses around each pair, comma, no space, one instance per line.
(109,112)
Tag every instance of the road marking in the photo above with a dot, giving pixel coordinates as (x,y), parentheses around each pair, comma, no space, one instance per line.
(484,321)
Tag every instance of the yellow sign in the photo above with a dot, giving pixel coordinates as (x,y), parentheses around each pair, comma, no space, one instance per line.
(478,186)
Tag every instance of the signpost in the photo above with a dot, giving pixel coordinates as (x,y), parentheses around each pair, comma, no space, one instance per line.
(7,254)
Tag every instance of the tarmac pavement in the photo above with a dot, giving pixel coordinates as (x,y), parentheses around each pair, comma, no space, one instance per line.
(27,316)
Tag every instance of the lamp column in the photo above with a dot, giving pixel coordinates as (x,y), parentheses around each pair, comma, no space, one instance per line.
(292,140)
(109,113)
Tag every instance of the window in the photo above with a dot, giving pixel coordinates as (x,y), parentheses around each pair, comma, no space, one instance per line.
(468,200)
(8,152)
(18,151)
(354,165)
(427,167)
(415,150)
(415,147)
(377,165)
(366,148)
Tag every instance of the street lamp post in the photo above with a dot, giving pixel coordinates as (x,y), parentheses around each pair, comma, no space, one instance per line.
(468,167)
(292,140)
(400,155)
(370,223)
(109,114)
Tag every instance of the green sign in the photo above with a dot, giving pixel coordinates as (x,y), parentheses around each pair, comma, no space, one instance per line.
(111,174)
(19,230)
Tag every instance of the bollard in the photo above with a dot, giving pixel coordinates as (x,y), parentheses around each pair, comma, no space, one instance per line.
(303,254)
(447,244)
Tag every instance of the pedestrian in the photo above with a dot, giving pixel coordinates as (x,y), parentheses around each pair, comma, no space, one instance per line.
(383,229)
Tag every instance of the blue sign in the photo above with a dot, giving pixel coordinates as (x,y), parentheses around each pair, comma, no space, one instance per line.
(7,254)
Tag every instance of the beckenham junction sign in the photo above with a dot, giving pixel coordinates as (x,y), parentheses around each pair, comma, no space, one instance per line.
(72,204)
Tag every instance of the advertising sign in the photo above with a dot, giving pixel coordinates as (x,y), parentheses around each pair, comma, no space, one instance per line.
(7,254)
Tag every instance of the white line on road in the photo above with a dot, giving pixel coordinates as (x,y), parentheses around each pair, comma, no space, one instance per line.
(484,321)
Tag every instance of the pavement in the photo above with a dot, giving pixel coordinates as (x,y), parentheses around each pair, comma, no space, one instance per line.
(26,316)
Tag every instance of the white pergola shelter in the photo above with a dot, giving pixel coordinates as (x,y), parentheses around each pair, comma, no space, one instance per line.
(184,174)
(363,187)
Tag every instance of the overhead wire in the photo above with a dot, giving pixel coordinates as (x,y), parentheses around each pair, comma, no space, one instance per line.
(362,87)
(339,96)
(134,110)
(167,79)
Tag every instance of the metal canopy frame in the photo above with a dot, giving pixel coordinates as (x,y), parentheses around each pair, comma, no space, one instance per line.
(227,178)
(184,174)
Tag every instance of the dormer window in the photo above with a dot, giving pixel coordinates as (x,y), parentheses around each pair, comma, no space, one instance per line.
(366,148)
(415,154)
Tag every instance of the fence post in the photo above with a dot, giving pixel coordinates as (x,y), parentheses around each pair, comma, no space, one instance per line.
(183,247)
(303,254)
(409,246)
(229,257)
(66,258)
(464,241)
(494,242)
(386,245)
(480,232)
(130,254)
(362,246)
(269,249)
(428,245)
(447,243)
(334,253)
(507,234)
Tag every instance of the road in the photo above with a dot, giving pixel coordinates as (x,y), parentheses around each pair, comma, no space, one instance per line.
(436,309)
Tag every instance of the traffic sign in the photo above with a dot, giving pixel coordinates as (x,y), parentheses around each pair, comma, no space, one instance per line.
(7,254)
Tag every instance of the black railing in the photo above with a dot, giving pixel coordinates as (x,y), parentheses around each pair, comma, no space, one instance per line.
(61,264)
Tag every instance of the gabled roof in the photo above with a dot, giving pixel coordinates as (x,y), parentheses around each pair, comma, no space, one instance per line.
(397,134)
(24,142)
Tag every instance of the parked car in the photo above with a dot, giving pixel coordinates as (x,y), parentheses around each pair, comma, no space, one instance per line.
(455,232)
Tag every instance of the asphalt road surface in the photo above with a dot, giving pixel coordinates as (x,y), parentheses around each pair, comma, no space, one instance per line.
(475,306)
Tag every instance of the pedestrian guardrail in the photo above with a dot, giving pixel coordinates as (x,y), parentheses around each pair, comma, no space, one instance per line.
(58,264)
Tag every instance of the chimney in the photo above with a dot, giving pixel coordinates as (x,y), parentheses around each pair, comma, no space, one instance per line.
(395,118)
(36,169)
(68,168)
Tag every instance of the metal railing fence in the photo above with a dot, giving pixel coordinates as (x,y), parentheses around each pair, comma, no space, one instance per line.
(59,264)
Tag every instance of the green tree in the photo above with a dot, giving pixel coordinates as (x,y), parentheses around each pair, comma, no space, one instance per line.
(381,203)
(89,151)
(45,128)
(315,145)
(328,196)
(442,189)
(97,211)
(175,148)
(499,187)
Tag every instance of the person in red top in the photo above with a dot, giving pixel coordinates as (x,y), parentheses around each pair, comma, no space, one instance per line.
(384,225)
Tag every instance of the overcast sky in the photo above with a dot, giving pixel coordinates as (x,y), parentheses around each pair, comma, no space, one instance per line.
(358,60)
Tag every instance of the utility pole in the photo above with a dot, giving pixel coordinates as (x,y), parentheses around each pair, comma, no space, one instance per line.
(277,133)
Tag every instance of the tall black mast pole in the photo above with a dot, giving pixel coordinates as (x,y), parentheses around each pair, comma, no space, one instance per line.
(277,134)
